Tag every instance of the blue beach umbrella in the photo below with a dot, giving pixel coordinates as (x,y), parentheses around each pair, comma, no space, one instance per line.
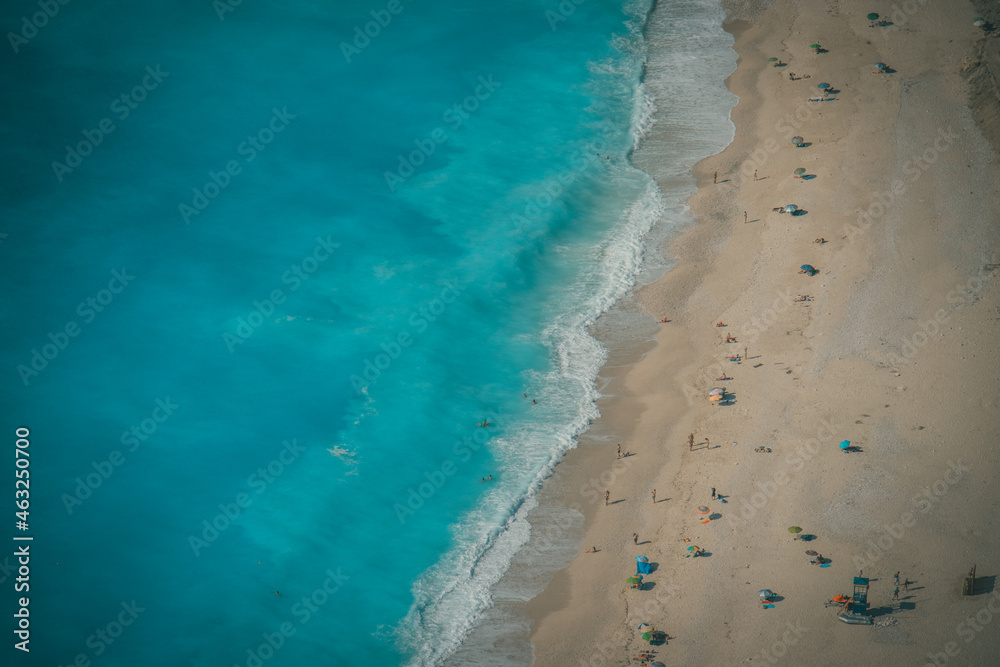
(881,65)
(846,444)
(797,140)
(808,268)
(823,86)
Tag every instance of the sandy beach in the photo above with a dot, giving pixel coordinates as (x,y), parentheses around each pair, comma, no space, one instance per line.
(894,349)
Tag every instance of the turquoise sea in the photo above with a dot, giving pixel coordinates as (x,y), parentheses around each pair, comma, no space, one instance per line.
(267,268)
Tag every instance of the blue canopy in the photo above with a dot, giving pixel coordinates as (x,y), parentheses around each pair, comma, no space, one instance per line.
(823,86)
(846,444)
(642,565)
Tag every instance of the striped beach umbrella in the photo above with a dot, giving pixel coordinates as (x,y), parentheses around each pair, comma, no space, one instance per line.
(702,510)
(798,141)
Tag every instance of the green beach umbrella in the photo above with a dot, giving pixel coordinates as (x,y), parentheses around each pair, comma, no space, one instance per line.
(634,580)
(800,171)
(648,636)
(815,47)
(795,530)
(873,16)
(772,60)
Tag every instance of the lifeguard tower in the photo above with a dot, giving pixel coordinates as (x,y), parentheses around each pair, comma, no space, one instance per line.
(856,610)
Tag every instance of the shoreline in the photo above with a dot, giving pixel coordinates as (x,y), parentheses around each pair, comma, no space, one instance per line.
(825,363)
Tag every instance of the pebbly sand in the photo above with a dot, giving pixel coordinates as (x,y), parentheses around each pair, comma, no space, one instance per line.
(897,351)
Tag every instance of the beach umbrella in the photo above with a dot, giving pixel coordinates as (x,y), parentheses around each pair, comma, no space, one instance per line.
(634,580)
(978,22)
(648,636)
(717,397)
(717,391)
(702,510)
(798,141)
(692,548)
(810,552)
(815,47)
(846,444)
(800,171)
(642,627)
(791,208)
(881,65)
(873,17)
(765,594)
(823,86)
(795,530)
(772,60)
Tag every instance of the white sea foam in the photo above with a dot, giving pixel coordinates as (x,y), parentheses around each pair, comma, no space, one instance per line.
(452,596)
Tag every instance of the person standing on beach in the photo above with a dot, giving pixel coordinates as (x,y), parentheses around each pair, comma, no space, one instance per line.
(895,593)
(896,578)
(654,496)
(715,178)
(708,443)
(713,493)
(744,217)
(755,174)
(619,450)
(607,494)
(635,540)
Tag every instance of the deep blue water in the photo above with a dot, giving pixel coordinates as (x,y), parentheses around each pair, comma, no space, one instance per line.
(313,266)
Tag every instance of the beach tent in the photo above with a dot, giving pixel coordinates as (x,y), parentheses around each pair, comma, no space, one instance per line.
(642,565)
